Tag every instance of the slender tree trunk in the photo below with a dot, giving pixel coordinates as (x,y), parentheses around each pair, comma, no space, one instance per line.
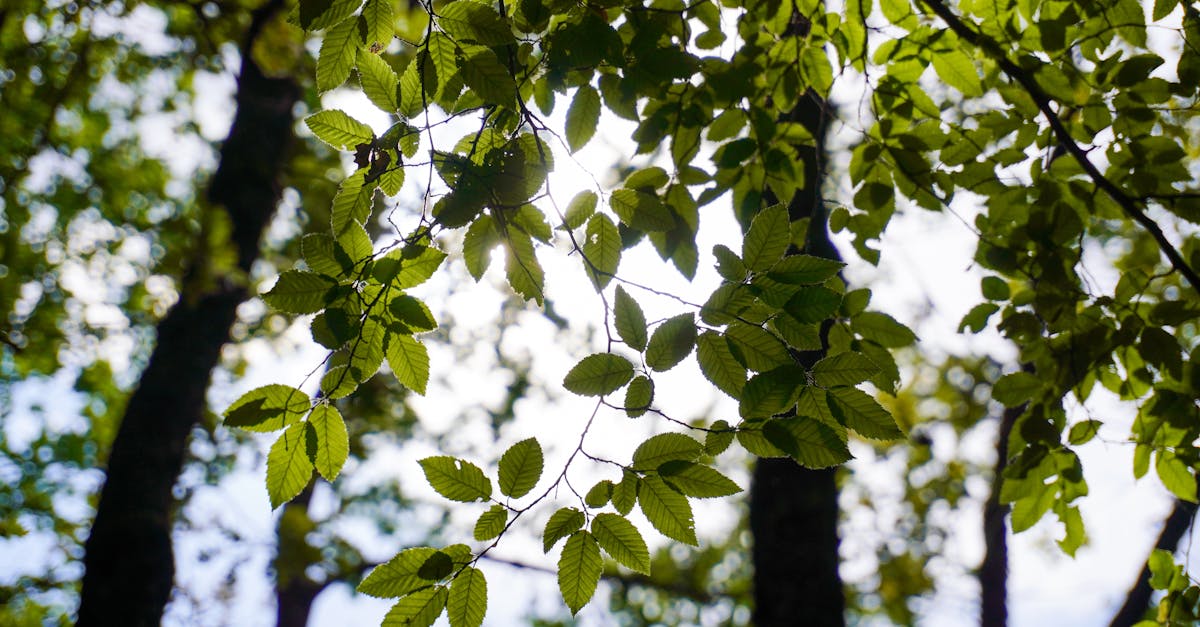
(993,572)
(794,510)
(294,590)
(1138,600)
(129,564)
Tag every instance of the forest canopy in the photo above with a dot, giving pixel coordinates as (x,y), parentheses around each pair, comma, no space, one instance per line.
(382,155)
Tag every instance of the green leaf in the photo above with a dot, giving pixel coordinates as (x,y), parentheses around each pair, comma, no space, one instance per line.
(366,351)
(958,70)
(638,396)
(409,360)
(336,58)
(583,117)
(811,443)
(624,495)
(474,21)
(1176,476)
(857,410)
(671,342)
(299,292)
(468,599)
(767,239)
(419,609)
(697,480)
(665,447)
(621,540)
(667,510)
(641,210)
(804,270)
(977,318)
(843,369)
(478,243)
(599,494)
(718,438)
(771,392)
(813,304)
(268,408)
(411,315)
(520,468)
(327,431)
(399,575)
(338,382)
(579,570)
(351,207)
(1163,8)
(456,479)
(380,19)
(581,207)
(320,14)
(336,128)
(602,250)
(324,256)
(599,374)
(630,321)
(882,329)
(561,524)
(491,523)
(758,349)
(1083,432)
(378,81)
(719,365)
(1015,388)
(483,73)
(524,273)
(729,265)
(288,466)
(443,57)
(417,264)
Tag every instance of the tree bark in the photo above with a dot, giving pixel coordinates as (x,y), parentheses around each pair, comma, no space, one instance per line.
(1138,600)
(794,510)
(128,561)
(993,572)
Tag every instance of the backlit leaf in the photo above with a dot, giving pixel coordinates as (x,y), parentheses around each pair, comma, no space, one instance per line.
(843,369)
(267,408)
(491,523)
(579,570)
(857,410)
(602,249)
(621,540)
(419,609)
(468,599)
(671,342)
(288,465)
(456,479)
(520,468)
(583,117)
(336,128)
(299,292)
(599,374)
(665,447)
(561,524)
(767,239)
(667,510)
(697,480)
(719,365)
(328,432)
(630,321)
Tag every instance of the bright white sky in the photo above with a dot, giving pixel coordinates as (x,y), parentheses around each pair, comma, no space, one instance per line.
(927,261)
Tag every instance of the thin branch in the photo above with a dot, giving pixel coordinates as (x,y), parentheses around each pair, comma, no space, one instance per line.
(1127,203)
(625,579)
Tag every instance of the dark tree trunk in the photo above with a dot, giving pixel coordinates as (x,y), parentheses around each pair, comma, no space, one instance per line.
(294,590)
(1138,600)
(794,510)
(129,564)
(993,572)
